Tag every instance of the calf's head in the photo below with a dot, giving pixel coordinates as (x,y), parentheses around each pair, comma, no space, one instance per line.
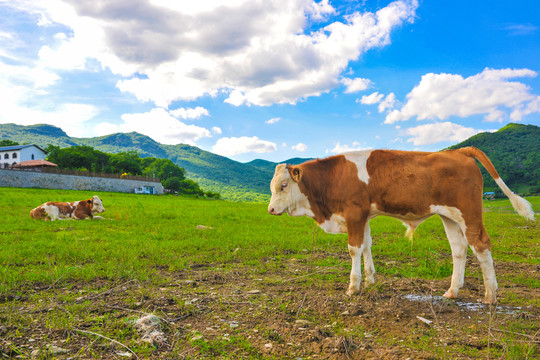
(97,205)
(286,194)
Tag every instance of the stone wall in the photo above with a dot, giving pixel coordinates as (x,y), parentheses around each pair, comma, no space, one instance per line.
(31,179)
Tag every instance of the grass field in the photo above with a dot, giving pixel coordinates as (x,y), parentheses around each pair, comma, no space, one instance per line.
(227,280)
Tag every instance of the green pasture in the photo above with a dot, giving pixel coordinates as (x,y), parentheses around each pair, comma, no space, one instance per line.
(56,278)
(143,235)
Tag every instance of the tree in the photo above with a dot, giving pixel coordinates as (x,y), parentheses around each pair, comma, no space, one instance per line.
(78,158)
(7,142)
(172,184)
(190,187)
(125,162)
(162,168)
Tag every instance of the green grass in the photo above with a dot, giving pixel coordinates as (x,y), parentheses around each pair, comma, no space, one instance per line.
(144,234)
(149,240)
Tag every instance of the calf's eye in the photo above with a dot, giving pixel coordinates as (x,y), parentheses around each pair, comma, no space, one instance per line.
(283,186)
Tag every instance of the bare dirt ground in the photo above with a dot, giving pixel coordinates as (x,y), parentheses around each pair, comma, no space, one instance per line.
(283,310)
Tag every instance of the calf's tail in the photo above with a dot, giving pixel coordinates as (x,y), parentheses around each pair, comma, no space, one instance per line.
(522,206)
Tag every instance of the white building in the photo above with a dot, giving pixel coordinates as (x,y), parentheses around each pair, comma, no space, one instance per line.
(10,155)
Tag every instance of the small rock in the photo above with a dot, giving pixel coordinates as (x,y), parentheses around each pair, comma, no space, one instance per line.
(268,346)
(53,349)
(346,312)
(303,322)
(203,227)
(424,320)
(125,354)
(253,292)
(196,337)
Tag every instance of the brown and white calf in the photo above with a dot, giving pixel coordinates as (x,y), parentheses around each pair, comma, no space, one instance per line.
(342,193)
(69,210)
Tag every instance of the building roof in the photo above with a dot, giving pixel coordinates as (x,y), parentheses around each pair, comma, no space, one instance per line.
(34,163)
(19,147)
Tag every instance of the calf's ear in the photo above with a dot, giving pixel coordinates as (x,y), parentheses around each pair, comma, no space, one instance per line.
(296,173)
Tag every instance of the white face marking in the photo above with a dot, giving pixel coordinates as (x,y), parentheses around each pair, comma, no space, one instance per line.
(359,158)
(97,205)
(286,195)
(335,225)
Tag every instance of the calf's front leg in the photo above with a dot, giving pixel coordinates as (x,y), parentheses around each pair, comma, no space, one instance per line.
(357,248)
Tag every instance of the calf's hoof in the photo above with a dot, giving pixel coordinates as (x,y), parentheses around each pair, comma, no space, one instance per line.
(491,300)
(352,290)
(450,295)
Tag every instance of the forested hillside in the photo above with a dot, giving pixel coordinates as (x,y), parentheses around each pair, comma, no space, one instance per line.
(515,152)
(514,149)
(214,173)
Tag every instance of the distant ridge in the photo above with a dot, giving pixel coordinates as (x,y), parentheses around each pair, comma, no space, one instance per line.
(514,149)
(232,179)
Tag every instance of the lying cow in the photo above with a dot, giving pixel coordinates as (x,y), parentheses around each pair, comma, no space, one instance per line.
(342,193)
(69,210)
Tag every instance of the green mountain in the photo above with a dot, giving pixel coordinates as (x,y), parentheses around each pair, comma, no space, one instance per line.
(515,152)
(232,179)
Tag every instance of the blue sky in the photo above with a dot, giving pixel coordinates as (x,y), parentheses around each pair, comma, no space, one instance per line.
(272,79)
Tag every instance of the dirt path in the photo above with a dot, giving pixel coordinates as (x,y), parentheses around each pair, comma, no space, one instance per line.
(283,312)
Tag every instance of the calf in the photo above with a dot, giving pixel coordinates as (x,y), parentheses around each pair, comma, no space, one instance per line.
(69,210)
(342,193)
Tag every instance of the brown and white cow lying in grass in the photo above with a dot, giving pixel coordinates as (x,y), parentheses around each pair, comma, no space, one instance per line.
(69,210)
(342,193)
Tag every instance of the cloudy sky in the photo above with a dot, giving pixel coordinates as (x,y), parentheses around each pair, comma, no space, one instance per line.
(272,79)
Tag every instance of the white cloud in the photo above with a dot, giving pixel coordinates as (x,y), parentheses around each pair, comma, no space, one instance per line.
(387,103)
(355,85)
(300,147)
(176,50)
(159,125)
(371,99)
(190,113)
(521,29)
(229,146)
(320,10)
(440,96)
(439,132)
(217,130)
(272,120)
(340,149)
(25,101)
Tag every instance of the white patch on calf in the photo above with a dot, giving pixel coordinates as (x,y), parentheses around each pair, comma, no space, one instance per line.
(450,212)
(335,225)
(359,158)
(52,211)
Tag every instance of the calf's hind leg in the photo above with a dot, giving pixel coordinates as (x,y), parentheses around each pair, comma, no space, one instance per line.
(369,268)
(481,247)
(459,246)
